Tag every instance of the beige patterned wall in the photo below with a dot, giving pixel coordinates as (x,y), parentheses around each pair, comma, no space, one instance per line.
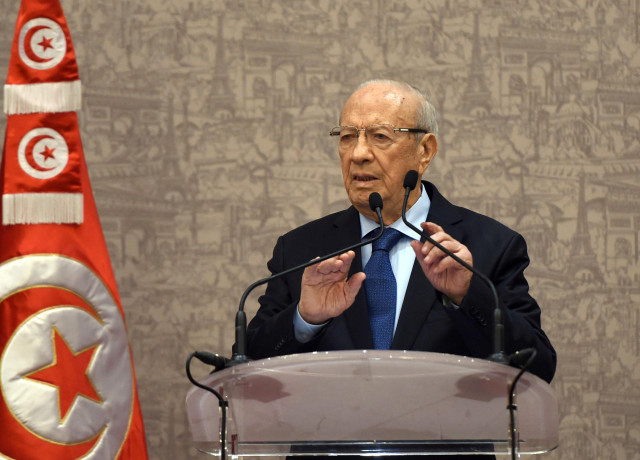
(205,129)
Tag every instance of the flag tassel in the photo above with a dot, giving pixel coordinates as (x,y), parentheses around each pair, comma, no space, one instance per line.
(38,208)
(65,96)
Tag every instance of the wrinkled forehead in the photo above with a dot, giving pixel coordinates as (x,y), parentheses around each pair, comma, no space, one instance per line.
(379,104)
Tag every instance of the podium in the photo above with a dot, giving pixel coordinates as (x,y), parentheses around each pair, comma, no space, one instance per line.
(372,402)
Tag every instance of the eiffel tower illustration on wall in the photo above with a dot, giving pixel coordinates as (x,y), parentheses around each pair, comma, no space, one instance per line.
(476,99)
(583,264)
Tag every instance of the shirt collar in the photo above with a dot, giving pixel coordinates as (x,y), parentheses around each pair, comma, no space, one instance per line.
(415,215)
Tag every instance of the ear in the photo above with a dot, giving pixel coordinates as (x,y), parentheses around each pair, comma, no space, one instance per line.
(427,151)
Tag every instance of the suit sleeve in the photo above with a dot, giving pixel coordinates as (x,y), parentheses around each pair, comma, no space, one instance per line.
(521,313)
(270,332)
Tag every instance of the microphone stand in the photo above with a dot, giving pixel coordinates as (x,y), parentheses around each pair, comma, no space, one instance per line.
(240,349)
(498,355)
(223,404)
(525,357)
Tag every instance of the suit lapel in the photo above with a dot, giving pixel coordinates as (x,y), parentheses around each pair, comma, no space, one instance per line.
(420,296)
(347,227)
(418,302)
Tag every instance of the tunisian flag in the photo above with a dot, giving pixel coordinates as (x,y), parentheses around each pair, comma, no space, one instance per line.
(67,381)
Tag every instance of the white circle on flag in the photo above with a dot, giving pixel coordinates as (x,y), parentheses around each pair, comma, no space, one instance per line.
(42,44)
(34,404)
(43,153)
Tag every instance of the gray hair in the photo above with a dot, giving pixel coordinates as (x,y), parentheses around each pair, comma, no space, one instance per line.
(427,118)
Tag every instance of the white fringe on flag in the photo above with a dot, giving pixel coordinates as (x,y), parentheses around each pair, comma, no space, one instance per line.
(42,208)
(65,96)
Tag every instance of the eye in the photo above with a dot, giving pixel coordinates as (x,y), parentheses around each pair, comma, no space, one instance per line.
(348,135)
(380,136)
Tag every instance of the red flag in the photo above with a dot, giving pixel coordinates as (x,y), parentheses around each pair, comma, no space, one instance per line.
(43,74)
(66,370)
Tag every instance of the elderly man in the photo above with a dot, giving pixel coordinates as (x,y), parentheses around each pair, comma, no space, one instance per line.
(432,303)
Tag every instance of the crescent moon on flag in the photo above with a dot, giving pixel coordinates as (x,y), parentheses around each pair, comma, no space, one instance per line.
(82,308)
(43,138)
(51,55)
(28,49)
(29,154)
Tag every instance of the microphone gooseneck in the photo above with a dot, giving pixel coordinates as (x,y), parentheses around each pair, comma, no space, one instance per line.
(240,348)
(218,362)
(498,355)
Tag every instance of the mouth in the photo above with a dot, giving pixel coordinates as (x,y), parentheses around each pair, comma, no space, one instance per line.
(363,178)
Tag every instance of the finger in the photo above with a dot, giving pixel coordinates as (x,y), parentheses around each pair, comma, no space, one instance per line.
(431,227)
(330,265)
(310,272)
(425,252)
(346,259)
(426,248)
(417,247)
(436,233)
(435,253)
(445,264)
(442,240)
(319,273)
(340,263)
(349,255)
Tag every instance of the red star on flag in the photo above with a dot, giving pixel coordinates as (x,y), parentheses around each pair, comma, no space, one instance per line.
(46,43)
(47,153)
(68,373)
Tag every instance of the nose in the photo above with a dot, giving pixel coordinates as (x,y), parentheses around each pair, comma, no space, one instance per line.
(362,150)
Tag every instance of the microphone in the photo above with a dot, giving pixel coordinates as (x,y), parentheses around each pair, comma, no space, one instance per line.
(240,348)
(215,360)
(498,355)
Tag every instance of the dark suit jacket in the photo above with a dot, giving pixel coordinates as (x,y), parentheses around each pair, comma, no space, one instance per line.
(424,323)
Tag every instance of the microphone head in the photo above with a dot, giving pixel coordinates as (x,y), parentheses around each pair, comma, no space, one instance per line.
(375,201)
(410,179)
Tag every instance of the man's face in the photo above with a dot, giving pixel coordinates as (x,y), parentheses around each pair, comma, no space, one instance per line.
(366,168)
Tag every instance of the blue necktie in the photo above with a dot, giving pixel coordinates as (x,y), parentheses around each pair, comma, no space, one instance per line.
(380,288)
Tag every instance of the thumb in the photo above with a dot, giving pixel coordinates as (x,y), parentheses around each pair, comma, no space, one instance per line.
(353,285)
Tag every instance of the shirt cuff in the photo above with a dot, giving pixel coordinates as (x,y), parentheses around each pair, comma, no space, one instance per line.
(448,303)
(304,331)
